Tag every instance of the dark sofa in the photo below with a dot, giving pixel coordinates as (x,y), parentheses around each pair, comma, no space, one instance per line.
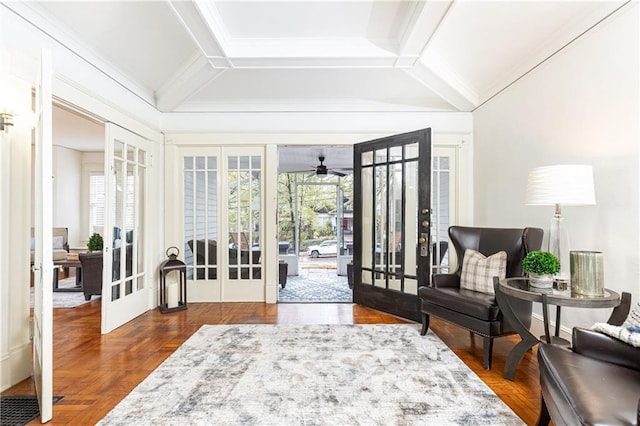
(597,382)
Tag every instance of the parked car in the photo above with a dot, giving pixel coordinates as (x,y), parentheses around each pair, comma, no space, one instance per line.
(326,248)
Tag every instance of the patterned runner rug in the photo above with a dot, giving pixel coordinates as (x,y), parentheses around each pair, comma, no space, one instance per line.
(312,375)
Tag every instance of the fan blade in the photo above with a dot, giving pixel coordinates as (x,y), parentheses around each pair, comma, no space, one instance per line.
(301,171)
(333,172)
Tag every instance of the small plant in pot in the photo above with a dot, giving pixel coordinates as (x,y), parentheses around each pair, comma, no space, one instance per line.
(541,266)
(95,243)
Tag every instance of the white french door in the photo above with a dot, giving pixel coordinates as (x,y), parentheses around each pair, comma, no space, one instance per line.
(126,289)
(223,224)
(43,261)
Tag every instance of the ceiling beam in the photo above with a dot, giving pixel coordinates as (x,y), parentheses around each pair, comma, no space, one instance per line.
(437,76)
(422,26)
(189,80)
(195,17)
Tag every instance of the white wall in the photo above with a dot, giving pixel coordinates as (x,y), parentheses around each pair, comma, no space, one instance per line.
(580,106)
(66,190)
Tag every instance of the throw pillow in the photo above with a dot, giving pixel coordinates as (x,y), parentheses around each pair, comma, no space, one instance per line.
(634,317)
(478,270)
(57,242)
(621,333)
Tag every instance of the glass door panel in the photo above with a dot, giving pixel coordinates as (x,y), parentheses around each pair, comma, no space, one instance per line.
(200,215)
(244,214)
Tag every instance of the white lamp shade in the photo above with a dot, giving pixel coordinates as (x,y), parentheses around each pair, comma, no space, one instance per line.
(568,185)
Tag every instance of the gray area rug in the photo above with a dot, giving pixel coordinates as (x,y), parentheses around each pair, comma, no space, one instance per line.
(66,299)
(312,375)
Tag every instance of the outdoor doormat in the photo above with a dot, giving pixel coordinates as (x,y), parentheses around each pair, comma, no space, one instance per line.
(20,410)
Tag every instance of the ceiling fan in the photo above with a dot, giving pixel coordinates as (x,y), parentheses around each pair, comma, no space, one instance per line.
(322,170)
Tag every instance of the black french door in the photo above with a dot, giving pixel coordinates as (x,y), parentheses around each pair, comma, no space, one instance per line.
(392,215)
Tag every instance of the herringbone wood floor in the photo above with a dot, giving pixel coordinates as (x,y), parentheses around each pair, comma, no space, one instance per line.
(94,372)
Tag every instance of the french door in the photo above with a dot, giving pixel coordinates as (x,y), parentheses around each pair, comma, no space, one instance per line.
(125,289)
(223,224)
(392,215)
(43,260)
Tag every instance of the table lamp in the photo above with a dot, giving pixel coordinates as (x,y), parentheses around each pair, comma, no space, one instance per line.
(560,185)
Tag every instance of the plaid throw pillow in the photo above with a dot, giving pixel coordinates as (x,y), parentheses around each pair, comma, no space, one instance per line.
(478,270)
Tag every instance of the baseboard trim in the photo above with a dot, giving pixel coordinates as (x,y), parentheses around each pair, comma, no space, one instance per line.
(537,328)
(15,366)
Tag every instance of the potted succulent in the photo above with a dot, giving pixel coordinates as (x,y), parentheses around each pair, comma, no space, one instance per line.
(95,243)
(541,266)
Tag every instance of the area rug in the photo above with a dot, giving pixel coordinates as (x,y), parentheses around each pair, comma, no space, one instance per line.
(312,375)
(66,299)
(316,286)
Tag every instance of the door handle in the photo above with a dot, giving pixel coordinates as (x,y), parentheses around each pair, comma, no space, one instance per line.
(424,244)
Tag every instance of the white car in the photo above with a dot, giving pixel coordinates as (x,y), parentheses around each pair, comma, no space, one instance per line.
(327,248)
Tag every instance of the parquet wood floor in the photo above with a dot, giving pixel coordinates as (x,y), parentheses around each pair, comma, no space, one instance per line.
(94,372)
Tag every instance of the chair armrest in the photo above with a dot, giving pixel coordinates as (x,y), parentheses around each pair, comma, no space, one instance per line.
(605,348)
(446,281)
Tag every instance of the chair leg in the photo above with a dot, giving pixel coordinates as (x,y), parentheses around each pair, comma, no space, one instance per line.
(487,346)
(425,324)
(544,418)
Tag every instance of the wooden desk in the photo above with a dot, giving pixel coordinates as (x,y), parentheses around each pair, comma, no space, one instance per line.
(520,289)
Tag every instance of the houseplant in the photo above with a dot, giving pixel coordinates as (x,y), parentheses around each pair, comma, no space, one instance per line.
(95,242)
(541,266)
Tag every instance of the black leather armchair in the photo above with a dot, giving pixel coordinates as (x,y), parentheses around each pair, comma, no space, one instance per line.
(479,312)
(597,382)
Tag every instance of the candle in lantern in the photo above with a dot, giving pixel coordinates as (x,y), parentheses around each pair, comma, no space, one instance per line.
(172,293)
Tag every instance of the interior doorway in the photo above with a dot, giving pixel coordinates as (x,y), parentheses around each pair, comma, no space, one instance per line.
(315,226)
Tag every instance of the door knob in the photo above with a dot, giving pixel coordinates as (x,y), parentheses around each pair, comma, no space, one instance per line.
(422,240)
(425,223)
(425,211)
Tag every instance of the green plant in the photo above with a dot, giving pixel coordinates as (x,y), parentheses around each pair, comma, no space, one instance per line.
(95,243)
(541,263)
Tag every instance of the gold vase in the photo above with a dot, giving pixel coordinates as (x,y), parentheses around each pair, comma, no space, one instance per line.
(587,273)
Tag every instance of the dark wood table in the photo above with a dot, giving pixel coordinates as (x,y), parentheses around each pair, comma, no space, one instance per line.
(520,289)
(66,263)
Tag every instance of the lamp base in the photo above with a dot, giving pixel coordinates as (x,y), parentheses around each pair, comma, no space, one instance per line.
(559,244)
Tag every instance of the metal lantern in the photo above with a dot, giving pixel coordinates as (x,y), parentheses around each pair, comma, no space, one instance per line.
(173,283)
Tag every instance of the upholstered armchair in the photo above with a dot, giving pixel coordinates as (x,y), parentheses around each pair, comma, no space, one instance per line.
(91,273)
(596,382)
(475,310)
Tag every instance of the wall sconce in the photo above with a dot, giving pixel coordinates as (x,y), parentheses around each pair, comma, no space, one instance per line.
(6,120)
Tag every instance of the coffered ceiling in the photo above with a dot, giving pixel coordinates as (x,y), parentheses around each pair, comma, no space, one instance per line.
(307,55)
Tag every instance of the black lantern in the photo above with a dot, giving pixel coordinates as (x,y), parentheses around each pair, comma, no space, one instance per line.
(173,283)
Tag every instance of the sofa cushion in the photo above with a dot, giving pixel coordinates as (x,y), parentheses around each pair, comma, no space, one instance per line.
(478,270)
(57,242)
(588,391)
